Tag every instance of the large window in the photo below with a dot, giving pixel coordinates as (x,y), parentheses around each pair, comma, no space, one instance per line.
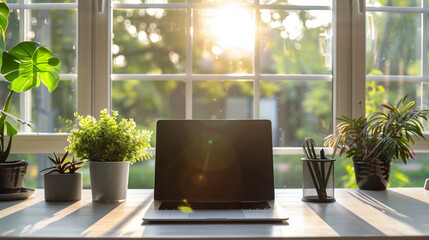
(225,59)
(299,63)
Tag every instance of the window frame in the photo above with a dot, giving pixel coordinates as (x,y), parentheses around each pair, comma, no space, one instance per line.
(93,56)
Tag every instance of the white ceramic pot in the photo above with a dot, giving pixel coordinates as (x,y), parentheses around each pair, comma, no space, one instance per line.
(63,187)
(109,181)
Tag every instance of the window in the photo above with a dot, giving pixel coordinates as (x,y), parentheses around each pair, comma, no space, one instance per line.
(225,59)
(298,63)
(52,23)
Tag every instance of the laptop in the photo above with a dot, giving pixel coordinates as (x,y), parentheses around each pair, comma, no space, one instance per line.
(214,170)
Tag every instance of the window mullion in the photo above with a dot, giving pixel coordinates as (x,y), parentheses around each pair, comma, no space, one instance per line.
(189,41)
(342,65)
(257,62)
(358,58)
(101,57)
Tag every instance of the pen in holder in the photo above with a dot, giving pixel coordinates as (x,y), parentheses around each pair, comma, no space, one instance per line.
(318,180)
(318,175)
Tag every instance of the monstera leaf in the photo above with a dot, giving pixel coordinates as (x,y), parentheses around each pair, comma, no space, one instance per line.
(4,14)
(28,63)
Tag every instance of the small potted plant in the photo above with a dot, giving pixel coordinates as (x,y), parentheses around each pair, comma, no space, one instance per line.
(374,141)
(62,181)
(24,66)
(110,146)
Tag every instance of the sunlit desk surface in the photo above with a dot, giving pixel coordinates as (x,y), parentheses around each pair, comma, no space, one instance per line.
(401,213)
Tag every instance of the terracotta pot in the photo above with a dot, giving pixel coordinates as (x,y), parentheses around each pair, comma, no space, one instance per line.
(65,187)
(372,175)
(12,175)
(109,181)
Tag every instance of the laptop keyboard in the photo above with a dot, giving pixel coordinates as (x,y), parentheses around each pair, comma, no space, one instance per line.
(216,206)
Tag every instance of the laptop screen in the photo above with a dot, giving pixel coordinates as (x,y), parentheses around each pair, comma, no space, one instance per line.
(214,160)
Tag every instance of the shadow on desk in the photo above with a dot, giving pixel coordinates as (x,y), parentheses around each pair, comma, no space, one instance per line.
(45,217)
(403,208)
(351,226)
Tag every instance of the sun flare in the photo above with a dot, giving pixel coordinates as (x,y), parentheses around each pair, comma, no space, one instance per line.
(232,27)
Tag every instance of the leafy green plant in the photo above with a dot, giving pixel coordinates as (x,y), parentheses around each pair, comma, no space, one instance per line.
(24,67)
(383,135)
(107,140)
(62,166)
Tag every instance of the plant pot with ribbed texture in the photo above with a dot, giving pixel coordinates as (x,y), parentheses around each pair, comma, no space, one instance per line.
(12,175)
(373,175)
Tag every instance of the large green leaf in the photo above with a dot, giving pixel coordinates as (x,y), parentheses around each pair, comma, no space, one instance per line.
(28,63)
(4,14)
(10,130)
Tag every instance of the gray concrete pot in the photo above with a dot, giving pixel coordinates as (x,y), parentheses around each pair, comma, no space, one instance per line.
(109,181)
(63,187)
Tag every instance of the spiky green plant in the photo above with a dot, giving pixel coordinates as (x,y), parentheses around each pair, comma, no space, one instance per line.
(383,135)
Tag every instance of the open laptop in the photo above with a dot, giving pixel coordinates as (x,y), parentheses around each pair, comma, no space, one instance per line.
(214,170)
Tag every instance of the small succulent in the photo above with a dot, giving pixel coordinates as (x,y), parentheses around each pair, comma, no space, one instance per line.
(61,166)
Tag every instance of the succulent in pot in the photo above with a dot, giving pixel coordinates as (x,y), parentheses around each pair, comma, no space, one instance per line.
(62,181)
(374,141)
(23,67)
(110,146)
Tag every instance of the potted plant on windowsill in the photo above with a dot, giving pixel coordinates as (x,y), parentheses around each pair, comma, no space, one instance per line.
(24,66)
(110,146)
(374,141)
(62,181)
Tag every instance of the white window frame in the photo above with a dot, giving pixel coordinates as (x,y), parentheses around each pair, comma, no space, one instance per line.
(94,84)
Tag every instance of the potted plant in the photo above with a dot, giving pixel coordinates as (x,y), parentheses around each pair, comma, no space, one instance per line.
(24,66)
(110,146)
(374,141)
(62,181)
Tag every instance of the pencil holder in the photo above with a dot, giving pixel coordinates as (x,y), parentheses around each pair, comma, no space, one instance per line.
(318,180)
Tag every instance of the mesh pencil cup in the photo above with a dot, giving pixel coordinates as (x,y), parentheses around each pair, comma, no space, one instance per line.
(318,180)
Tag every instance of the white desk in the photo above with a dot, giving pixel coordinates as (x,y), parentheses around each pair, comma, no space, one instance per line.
(401,213)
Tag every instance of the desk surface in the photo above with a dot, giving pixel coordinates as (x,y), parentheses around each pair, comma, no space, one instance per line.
(398,212)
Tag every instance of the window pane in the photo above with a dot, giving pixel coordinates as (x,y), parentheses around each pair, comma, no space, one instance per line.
(393,44)
(396,3)
(148,101)
(142,174)
(297,110)
(14,105)
(223,1)
(379,92)
(296,42)
(56,29)
(299,2)
(53,112)
(149,41)
(50,1)
(222,99)
(149,1)
(12,31)
(223,40)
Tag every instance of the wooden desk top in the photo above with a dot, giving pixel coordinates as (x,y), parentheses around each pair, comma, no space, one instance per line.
(402,213)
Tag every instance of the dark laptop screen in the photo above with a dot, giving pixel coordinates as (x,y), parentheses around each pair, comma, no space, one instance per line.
(214,160)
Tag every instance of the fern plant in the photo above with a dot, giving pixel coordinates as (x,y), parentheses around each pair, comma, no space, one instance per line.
(62,166)
(383,135)
(107,140)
